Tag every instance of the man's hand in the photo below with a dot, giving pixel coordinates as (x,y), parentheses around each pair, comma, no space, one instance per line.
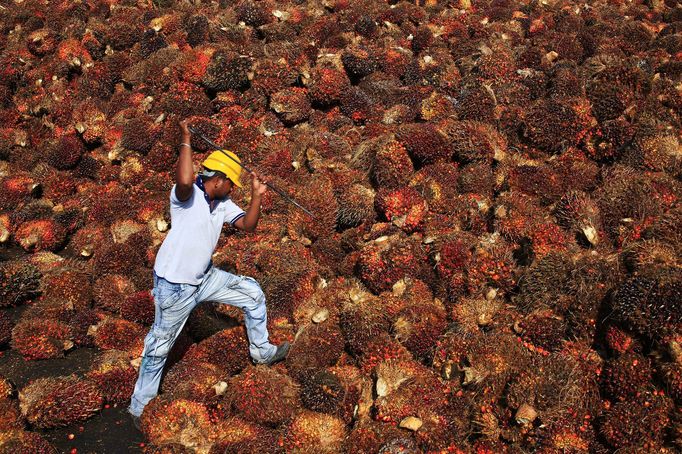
(184,128)
(258,186)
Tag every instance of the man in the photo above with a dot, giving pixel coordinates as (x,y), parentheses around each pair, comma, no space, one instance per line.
(183,272)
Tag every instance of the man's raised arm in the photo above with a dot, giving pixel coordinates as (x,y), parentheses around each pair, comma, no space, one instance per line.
(184,174)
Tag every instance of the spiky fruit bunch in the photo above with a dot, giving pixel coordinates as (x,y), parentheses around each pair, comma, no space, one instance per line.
(362,318)
(69,285)
(372,436)
(263,395)
(253,14)
(319,192)
(326,85)
(492,265)
(227,349)
(648,255)
(550,388)
(392,166)
(579,214)
(138,307)
(114,375)
(424,142)
(359,61)
(59,401)
(473,141)
(419,325)
(544,330)
(551,123)
(273,75)
(335,390)
(226,71)
(649,302)
(19,281)
(235,435)
(66,152)
(404,207)
(491,361)
(671,374)
(309,431)
(110,290)
(624,377)
(657,150)
(167,448)
(40,234)
(6,325)
(292,105)
(10,415)
(181,421)
(18,441)
(356,205)
(18,188)
(545,278)
(197,381)
(636,422)
(386,260)
(317,346)
(41,338)
(114,333)
(185,100)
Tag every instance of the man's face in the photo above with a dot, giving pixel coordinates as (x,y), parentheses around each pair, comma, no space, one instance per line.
(223,187)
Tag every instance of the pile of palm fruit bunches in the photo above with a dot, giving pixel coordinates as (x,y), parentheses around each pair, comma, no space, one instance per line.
(494,263)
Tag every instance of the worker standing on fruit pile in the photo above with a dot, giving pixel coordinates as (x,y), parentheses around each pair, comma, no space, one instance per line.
(184,275)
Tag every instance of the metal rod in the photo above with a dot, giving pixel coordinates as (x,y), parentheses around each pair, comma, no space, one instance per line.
(199,134)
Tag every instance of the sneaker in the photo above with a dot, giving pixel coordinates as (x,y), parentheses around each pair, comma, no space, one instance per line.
(136,422)
(280,354)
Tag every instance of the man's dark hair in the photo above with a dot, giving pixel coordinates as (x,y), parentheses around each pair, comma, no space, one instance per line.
(207,175)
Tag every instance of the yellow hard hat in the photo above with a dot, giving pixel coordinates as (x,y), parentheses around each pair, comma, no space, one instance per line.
(218,161)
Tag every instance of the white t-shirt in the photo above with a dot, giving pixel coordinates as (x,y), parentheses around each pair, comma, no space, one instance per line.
(195,229)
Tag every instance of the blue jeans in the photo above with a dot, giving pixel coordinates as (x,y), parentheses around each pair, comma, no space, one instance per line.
(173,304)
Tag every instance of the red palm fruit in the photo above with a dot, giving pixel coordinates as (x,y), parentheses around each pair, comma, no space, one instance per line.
(109,203)
(371,436)
(437,183)
(235,435)
(419,325)
(491,361)
(10,416)
(392,166)
(272,75)
(476,177)
(185,422)
(362,318)
(620,340)
(649,254)
(476,312)
(167,448)
(356,205)
(185,99)
(88,240)
(291,104)
(16,189)
(41,338)
(40,234)
(138,307)
(492,265)
(387,259)
(473,141)
(316,346)
(671,375)
(551,388)
(326,85)
(6,325)
(253,14)
(118,259)
(477,103)
(80,324)
(114,375)
(624,377)
(648,302)
(110,290)
(226,71)
(579,214)
(318,192)
(114,333)
(543,330)
(657,150)
(140,135)
(193,380)
(227,349)
(24,442)
(309,430)
(404,207)
(570,435)
(336,390)
(5,227)
(424,142)
(381,347)
(19,281)
(71,286)
(636,422)
(552,123)
(59,401)
(263,395)
(325,303)
(66,152)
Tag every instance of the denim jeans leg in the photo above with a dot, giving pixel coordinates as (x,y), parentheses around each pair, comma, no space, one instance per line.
(171,313)
(245,293)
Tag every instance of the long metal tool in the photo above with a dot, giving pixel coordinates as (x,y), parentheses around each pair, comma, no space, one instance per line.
(199,134)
